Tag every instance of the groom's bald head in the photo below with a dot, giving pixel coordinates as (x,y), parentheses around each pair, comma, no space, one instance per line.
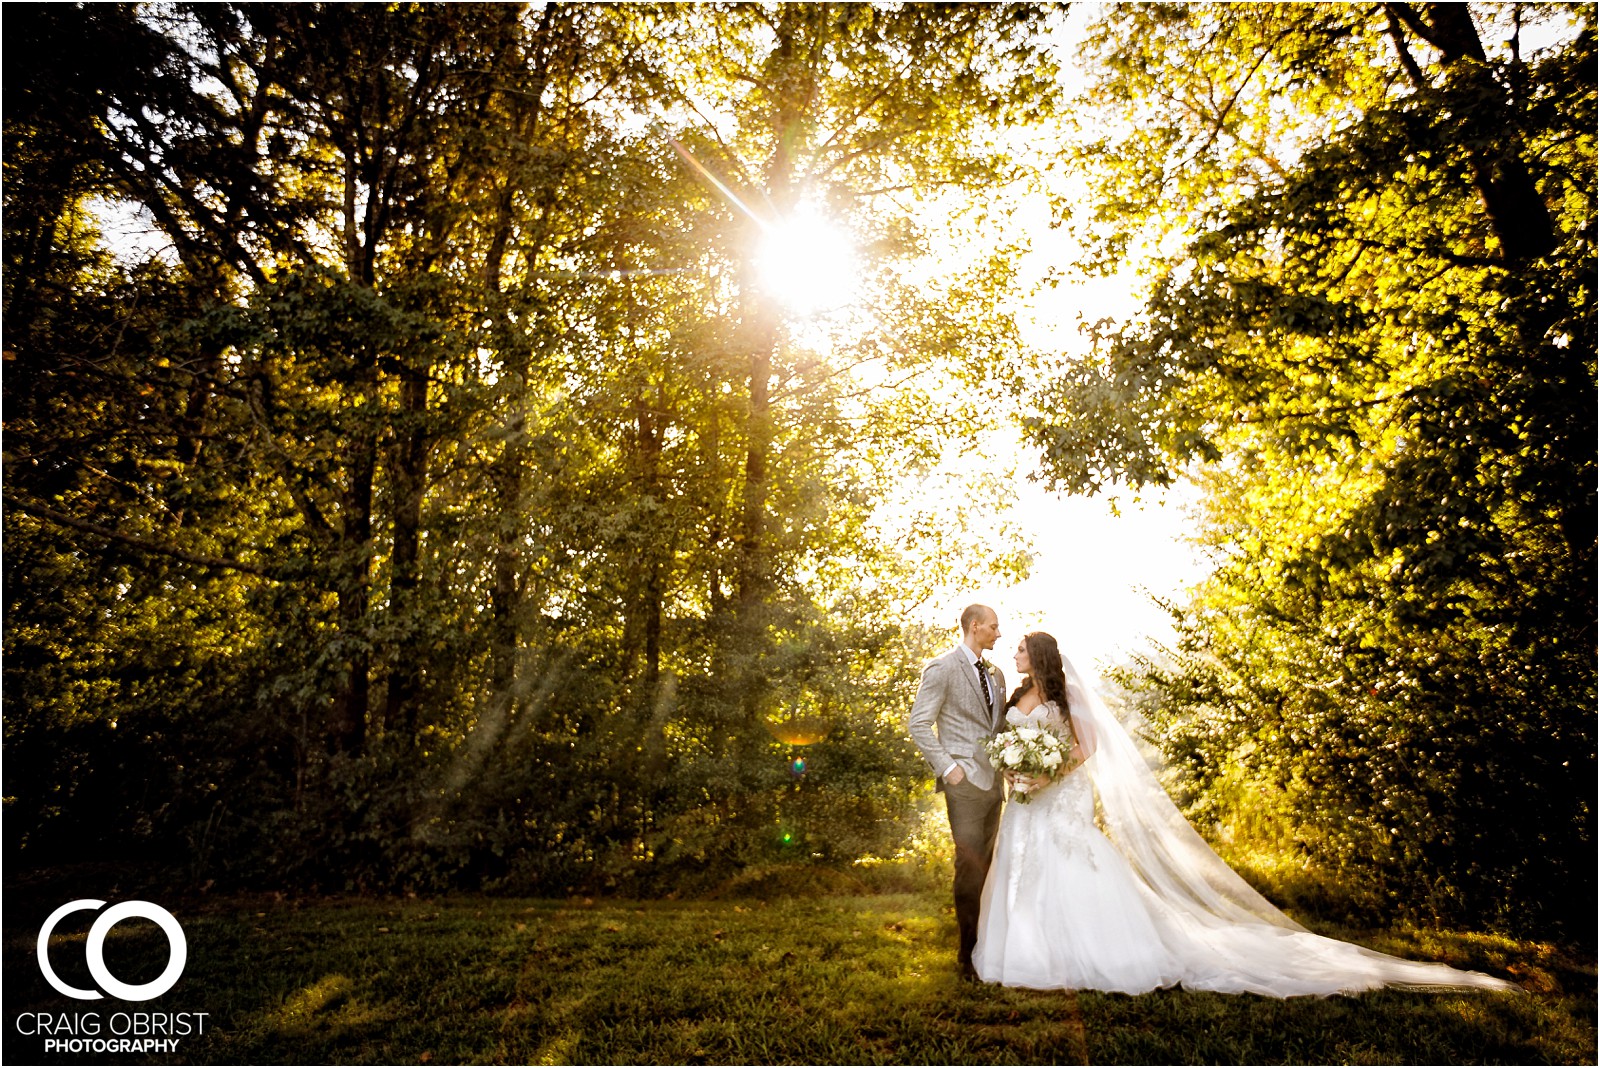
(979,628)
(976,613)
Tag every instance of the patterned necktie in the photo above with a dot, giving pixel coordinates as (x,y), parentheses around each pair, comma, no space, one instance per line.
(983,680)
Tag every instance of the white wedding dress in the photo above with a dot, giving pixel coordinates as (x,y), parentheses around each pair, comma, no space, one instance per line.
(1066,907)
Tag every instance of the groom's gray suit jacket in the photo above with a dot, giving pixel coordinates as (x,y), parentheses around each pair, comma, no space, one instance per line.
(949,721)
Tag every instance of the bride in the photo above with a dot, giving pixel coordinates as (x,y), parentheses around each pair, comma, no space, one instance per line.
(1067,907)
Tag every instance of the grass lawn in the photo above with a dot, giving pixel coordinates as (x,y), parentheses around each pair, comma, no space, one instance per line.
(825,979)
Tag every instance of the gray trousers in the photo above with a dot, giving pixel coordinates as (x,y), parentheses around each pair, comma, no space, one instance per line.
(974,821)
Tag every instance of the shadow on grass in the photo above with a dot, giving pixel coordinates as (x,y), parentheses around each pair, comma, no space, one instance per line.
(819,979)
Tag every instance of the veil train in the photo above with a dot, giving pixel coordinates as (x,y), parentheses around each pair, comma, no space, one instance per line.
(1226,934)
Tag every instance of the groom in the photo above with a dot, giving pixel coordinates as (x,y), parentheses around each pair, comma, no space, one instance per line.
(958,708)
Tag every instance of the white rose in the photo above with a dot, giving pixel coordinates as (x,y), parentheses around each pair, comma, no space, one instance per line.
(1012,755)
(1052,760)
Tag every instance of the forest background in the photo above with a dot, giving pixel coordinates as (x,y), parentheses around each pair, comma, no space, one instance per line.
(466,490)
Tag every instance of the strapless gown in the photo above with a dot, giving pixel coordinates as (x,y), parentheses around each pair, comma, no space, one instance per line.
(1064,909)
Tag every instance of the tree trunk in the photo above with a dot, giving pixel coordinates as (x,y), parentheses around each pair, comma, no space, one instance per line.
(348,733)
(409,481)
(652,625)
(755,573)
(1517,213)
(505,600)
(754,580)
(642,625)
(507,474)
(758,331)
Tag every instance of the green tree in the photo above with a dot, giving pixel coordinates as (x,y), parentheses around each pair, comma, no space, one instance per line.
(853,110)
(446,503)
(1370,336)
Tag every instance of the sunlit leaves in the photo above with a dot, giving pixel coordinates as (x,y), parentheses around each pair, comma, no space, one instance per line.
(1346,351)
(450,336)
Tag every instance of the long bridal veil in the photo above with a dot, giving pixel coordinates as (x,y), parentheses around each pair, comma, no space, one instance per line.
(1227,936)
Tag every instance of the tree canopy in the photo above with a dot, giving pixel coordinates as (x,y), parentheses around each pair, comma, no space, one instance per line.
(445,491)
(447,502)
(1371,338)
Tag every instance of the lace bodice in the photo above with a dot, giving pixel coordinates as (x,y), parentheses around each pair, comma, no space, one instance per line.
(1048,715)
(1059,820)
(1045,714)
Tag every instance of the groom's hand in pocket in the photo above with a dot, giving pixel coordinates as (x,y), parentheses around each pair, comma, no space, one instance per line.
(956,776)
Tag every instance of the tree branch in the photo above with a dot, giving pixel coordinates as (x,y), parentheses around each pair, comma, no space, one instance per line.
(1407,60)
(1335,409)
(40,511)
(1414,22)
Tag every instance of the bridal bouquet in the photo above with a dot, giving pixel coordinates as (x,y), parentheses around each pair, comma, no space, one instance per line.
(1030,751)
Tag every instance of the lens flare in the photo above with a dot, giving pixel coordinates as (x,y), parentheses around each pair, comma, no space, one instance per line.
(808,263)
(799,729)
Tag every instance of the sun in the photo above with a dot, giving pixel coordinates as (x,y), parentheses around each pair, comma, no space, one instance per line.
(808,263)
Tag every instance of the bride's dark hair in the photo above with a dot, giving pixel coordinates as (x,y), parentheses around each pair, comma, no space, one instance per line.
(1044,657)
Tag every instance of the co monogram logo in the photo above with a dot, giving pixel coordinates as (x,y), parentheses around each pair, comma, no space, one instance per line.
(94,950)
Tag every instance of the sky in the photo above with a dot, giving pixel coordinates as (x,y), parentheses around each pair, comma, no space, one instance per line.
(1094,572)
(1097,562)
